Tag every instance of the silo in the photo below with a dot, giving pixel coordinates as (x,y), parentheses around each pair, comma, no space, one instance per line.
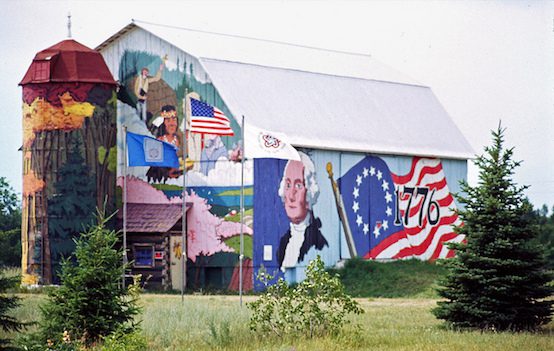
(69,153)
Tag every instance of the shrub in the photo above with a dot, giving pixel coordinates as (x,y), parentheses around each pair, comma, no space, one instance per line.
(317,306)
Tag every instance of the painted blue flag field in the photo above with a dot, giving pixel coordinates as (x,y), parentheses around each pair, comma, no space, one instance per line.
(147,151)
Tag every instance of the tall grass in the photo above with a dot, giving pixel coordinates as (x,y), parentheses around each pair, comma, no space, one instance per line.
(219,323)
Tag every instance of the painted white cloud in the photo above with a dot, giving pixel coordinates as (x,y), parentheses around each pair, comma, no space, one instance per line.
(225,173)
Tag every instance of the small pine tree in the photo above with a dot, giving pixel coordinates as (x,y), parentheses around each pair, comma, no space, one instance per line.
(498,278)
(90,303)
(7,322)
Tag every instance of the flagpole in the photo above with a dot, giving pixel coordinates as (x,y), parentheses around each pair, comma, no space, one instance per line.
(124,202)
(241,256)
(184,206)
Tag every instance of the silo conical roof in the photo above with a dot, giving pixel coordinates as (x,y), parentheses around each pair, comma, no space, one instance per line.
(66,62)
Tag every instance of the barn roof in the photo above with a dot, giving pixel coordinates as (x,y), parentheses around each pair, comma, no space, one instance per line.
(320,98)
(68,61)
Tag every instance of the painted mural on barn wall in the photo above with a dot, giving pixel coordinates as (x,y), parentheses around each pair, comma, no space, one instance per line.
(333,204)
(155,96)
(69,164)
(341,205)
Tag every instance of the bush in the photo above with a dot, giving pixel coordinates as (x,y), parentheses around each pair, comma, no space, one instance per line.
(315,307)
(123,341)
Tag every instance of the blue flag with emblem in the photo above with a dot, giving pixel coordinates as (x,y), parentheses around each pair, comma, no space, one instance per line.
(147,151)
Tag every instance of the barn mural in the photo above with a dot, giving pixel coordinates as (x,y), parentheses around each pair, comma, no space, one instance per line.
(154,95)
(335,204)
(376,208)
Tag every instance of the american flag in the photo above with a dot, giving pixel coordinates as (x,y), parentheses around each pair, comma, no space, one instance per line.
(207,119)
(399,216)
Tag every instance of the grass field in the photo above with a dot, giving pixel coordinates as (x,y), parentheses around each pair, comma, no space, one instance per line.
(402,278)
(218,323)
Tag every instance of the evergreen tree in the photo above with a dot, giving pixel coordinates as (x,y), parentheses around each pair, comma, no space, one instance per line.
(546,233)
(498,278)
(7,303)
(10,226)
(91,302)
(71,208)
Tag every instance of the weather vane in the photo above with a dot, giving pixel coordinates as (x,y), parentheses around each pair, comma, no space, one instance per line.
(69,24)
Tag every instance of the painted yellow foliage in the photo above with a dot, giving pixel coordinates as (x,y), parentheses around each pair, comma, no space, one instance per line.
(29,279)
(40,115)
(31,184)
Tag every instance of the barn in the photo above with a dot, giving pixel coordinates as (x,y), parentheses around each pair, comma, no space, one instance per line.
(379,158)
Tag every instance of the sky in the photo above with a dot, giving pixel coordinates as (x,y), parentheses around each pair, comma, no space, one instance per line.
(486,61)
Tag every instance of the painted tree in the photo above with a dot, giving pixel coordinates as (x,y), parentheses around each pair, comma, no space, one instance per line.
(71,208)
(498,278)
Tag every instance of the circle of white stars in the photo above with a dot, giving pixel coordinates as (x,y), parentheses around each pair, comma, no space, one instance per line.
(371,172)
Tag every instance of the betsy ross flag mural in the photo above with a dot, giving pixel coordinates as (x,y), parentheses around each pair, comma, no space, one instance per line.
(399,216)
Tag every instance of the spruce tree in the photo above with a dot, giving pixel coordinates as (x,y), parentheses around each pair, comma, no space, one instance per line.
(71,208)
(8,323)
(91,302)
(498,279)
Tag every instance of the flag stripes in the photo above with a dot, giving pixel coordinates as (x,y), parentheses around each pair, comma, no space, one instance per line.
(207,119)
(425,241)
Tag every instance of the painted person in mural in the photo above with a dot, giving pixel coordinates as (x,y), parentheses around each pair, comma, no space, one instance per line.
(142,83)
(299,191)
(213,150)
(168,132)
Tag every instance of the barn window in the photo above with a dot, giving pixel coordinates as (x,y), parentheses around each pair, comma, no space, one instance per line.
(144,255)
(42,70)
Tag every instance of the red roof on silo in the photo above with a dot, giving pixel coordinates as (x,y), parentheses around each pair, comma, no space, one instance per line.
(68,61)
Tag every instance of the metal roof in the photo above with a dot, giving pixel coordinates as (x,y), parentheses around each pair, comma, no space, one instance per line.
(68,61)
(342,113)
(268,53)
(320,98)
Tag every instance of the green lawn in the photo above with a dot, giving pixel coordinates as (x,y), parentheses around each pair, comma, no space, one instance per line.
(218,323)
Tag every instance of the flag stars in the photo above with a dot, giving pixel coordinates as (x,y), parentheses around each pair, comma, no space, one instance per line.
(385,185)
(359,220)
(356,192)
(389,211)
(365,172)
(366,228)
(379,175)
(385,225)
(388,197)
(355,206)
(358,179)
(372,171)
(376,231)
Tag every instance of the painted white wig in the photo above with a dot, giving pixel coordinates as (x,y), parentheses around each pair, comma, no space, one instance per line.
(310,182)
